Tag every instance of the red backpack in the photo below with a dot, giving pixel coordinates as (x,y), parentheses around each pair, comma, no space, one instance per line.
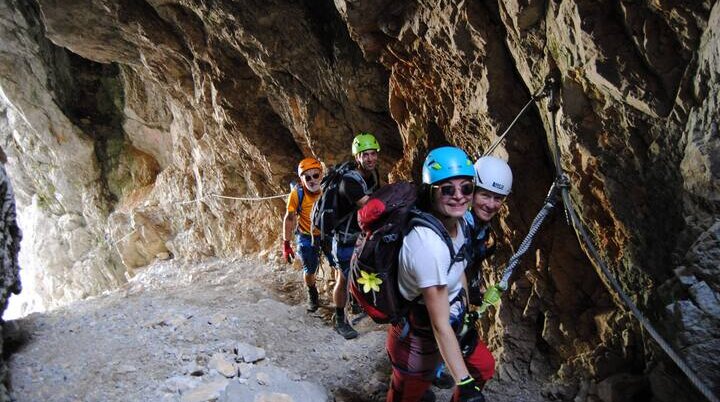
(385,219)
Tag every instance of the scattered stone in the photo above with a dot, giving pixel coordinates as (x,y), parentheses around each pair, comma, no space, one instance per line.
(274,397)
(245,369)
(263,378)
(223,366)
(175,361)
(248,353)
(180,383)
(206,392)
(273,385)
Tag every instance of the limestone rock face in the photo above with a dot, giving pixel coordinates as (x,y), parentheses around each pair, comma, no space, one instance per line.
(10,237)
(62,207)
(127,123)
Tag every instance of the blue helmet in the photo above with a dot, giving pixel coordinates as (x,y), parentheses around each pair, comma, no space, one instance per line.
(445,163)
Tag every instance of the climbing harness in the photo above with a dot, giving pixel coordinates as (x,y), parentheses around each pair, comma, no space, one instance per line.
(561,186)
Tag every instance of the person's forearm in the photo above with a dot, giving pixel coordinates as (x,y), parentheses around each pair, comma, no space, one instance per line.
(450,351)
(436,301)
(288,226)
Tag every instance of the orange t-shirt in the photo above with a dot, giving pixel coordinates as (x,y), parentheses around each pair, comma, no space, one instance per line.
(307,204)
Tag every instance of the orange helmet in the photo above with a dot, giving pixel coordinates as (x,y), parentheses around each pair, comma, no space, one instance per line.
(307,164)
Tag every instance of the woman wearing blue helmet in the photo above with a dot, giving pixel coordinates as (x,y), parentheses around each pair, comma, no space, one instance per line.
(431,274)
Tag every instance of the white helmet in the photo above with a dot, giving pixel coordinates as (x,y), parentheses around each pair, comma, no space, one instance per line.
(493,174)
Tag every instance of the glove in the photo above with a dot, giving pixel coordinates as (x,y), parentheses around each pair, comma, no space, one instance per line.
(491,297)
(469,391)
(288,253)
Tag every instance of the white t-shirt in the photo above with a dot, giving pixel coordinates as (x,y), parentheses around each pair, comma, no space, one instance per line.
(424,261)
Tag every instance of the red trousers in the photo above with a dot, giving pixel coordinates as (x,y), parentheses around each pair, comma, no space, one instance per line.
(415,358)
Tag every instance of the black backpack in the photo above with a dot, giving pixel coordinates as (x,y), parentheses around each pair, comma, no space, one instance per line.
(325,214)
(387,217)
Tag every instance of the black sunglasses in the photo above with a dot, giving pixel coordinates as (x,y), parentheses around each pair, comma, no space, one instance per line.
(312,177)
(448,190)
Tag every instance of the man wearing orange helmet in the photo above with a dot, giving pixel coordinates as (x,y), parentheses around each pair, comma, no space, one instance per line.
(297,220)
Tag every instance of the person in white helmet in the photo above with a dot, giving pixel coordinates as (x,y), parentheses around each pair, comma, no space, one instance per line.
(493,183)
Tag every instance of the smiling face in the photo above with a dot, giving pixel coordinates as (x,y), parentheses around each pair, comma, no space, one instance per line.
(451,197)
(367,160)
(486,204)
(311,179)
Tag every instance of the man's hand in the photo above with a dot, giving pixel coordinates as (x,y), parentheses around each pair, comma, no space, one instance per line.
(470,391)
(288,253)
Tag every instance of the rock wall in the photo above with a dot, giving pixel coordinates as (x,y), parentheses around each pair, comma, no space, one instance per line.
(463,70)
(10,237)
(63,201)
(124,122)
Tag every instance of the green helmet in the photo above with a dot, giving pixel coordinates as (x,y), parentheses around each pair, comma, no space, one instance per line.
(363,142)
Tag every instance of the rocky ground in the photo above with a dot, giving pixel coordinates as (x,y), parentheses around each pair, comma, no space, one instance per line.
(227,330)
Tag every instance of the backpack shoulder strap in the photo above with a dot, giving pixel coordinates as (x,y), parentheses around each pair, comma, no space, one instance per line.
(349,170)
(301,194)
(356,176)
(420,218)
(467,230)
(466,248)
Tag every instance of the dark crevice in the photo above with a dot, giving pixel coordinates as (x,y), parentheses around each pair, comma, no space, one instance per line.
(91,95)
(327,26)
(435,136)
